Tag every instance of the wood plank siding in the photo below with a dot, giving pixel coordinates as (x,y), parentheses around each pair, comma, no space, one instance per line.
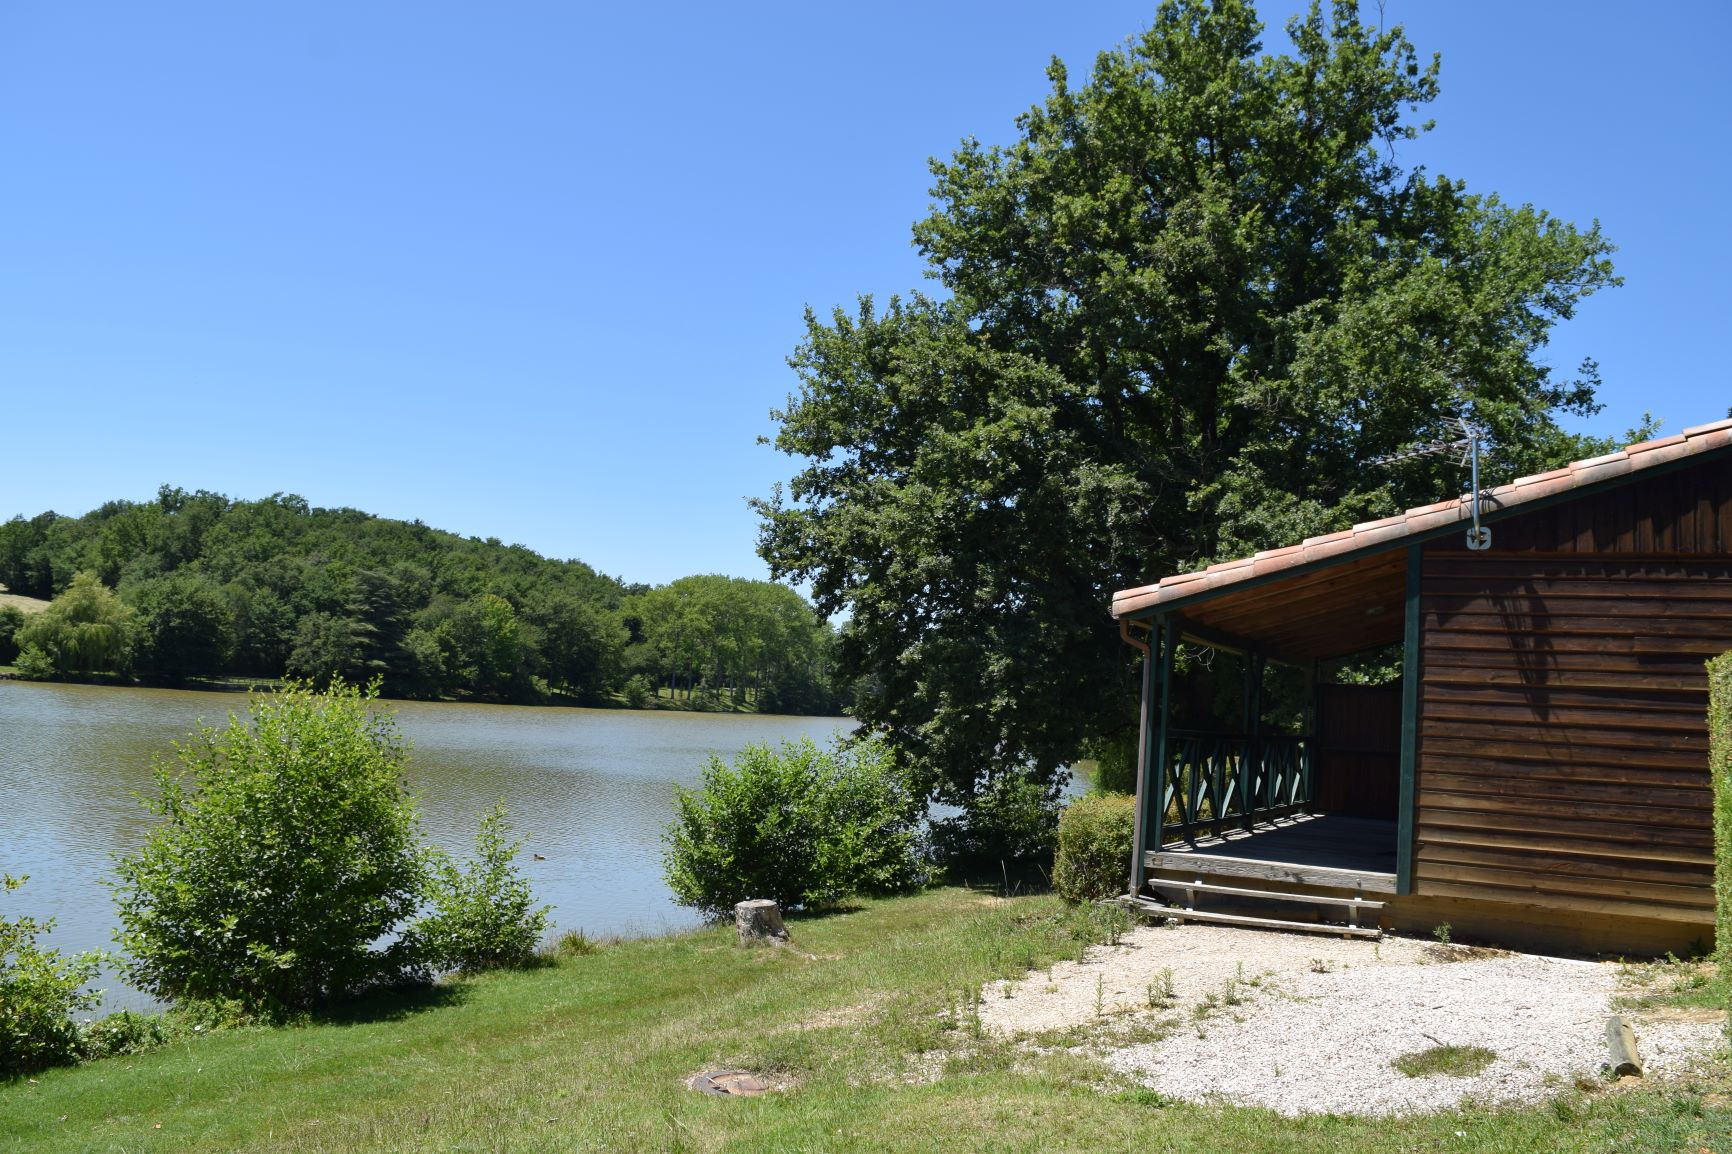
(1563,747)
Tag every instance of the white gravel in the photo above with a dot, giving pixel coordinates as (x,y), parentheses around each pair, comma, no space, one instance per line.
(1302,1023)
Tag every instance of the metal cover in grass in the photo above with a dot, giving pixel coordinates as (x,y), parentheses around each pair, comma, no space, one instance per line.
(731,1082)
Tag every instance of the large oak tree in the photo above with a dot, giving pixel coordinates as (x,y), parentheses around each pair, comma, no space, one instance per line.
(1182,311)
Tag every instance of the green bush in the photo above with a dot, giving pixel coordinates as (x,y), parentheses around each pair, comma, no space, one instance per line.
(123,1032)
(1011,819)
(86,629)
(638,691)
(1115,761)
(11,621)
(288,849)
(1094,847)
(39,992)
(802,826)
(483,917)
(1720,770)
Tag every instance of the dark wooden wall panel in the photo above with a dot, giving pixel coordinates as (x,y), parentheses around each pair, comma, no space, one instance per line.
(1682,512)
(1356,763)
(1563,744)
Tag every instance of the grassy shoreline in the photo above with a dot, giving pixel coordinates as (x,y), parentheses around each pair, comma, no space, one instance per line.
(866,1023)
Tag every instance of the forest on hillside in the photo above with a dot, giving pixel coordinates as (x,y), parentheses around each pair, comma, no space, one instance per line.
(197,585)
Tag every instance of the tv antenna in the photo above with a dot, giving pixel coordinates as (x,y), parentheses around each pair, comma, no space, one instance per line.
(1474,439)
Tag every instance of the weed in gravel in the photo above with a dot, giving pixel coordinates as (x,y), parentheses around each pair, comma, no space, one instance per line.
(1455,1061)
(1161,989)
(1322,966)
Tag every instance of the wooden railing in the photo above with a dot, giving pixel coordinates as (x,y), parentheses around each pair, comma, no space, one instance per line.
(1214,782)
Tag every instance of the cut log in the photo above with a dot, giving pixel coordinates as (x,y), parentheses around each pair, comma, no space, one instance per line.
(759,920)
(1621,1041)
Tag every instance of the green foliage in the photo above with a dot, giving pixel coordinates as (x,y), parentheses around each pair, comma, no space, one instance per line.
(86,629)
(802,826)
(1094,847)
(185,626)
(1010,819)
(1181,310)
(482,917)
(40,991)
(1720,773)
(11,621)
(637,691)
(124,1032)
(1115,758)
(721,637)
(287,851)
(275,588)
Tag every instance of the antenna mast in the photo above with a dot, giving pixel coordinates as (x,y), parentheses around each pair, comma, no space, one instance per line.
(1468,444)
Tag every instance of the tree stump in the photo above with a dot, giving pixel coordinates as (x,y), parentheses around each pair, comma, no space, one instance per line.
(759,920)
(1621,1041)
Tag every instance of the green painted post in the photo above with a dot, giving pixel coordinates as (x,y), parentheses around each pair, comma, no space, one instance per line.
(1145,783)
(1410,664)
(1169,646)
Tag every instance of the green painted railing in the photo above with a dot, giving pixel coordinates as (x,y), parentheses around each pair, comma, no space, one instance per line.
(1214,782)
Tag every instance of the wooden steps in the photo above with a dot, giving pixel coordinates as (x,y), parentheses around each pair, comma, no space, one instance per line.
(1290,873)
(1201,887)
(1156,909)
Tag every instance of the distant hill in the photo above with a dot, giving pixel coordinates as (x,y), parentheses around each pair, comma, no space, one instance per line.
(211,586)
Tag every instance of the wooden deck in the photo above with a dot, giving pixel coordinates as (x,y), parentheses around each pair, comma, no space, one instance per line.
(1306,849)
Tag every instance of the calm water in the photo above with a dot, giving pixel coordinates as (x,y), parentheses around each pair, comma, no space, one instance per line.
(588,789)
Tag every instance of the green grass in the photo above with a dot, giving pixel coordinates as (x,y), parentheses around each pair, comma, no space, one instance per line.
(867,1021)
(1455,1061)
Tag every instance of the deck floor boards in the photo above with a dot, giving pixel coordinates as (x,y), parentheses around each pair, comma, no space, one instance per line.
(1325,840)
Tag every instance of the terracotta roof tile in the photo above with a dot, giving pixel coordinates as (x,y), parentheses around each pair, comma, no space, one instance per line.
(1645,446)
(1550,475)
(1371,534)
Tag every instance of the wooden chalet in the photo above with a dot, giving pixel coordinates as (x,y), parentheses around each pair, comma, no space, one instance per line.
(1539,776)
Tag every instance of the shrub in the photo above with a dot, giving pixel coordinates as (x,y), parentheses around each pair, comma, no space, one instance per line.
(1720,770)
(39,992)
(123,1032)
(483,917)
(1010,819)
(1115,761)
(1094,847)
(802,826)
(288,848)
(11,621)
(638,690)
(84,630)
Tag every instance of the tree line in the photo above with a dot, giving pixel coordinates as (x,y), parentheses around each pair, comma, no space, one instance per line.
(199,585)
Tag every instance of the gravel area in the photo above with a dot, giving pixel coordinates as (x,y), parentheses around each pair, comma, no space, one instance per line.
(1305,1023)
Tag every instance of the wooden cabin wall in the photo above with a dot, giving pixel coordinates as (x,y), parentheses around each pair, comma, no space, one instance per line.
(1563,748)
(1356,751)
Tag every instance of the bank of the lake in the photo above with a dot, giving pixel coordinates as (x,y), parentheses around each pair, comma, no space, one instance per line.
(859,1025)
(589,791)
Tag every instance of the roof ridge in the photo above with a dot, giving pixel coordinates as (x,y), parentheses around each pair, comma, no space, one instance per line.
(1575,475)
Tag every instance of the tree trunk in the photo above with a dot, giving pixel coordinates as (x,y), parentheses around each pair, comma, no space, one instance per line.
(759,920)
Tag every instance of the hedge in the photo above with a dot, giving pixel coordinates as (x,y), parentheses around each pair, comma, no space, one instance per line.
(1094,847)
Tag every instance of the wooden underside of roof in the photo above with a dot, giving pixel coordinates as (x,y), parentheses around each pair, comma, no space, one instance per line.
(1331,612)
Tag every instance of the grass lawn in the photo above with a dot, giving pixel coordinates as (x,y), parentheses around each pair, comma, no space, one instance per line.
(867,1025)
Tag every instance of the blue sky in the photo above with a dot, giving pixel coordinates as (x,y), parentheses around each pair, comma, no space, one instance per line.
(532,270)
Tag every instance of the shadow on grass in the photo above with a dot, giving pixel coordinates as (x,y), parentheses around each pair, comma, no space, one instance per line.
(1005,878)
(393,1004)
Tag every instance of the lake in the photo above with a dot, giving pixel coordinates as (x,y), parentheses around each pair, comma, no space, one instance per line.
(590,790)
